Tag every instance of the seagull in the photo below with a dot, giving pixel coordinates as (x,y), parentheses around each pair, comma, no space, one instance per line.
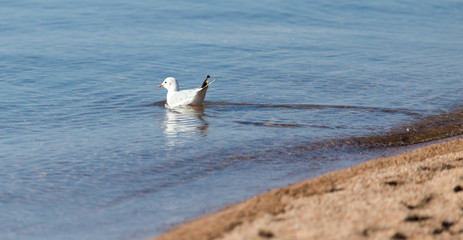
(177,98)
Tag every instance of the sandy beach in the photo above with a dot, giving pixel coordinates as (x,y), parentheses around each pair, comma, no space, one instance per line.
(414,195)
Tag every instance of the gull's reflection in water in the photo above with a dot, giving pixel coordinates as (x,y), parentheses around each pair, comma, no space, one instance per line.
(183,123)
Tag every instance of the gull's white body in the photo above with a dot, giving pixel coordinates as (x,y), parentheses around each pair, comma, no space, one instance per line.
(177,98)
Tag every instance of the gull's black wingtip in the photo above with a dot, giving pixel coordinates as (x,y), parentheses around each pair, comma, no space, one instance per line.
(206,82)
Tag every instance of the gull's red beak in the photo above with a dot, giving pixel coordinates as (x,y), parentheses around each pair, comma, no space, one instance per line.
(160,85)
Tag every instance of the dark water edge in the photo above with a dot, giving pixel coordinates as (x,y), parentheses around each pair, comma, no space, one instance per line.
(422,131)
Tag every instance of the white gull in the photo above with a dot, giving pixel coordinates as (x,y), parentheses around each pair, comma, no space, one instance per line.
(177,98)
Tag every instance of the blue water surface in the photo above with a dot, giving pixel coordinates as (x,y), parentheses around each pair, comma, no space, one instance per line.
(89,151)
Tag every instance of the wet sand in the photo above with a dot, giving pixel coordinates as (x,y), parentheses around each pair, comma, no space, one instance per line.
(415,195)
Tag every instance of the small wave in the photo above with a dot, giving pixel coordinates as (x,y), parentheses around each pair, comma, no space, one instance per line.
(268,124)
(425,129)
(158,104)
(209,104)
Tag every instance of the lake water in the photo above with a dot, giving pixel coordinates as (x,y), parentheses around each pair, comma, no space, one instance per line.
(88,150)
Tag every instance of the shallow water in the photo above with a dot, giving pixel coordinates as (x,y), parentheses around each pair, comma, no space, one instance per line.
(88,150)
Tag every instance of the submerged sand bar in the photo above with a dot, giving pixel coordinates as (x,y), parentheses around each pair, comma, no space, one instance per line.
(415,195)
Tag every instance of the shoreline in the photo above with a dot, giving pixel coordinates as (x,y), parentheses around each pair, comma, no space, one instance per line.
(416,194)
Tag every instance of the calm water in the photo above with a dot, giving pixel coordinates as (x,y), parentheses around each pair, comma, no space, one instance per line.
(88,150)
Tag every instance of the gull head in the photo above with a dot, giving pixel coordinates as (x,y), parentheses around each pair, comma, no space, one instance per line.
(170,84)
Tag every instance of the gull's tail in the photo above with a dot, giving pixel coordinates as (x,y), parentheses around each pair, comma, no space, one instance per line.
(206,82)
